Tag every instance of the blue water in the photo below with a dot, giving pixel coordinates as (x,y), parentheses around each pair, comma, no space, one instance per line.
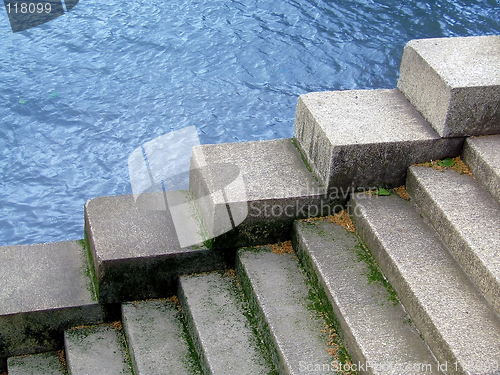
(80,93)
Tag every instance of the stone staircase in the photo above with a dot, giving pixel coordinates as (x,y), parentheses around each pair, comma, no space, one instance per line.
(411,285)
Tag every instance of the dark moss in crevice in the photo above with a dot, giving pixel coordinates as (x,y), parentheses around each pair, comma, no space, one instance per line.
(320,304)
(256,315)
(89,268)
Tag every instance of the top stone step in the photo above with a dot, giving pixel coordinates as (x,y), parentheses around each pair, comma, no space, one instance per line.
(454,83)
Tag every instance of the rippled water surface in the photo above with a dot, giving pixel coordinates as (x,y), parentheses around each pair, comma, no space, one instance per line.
(80,93)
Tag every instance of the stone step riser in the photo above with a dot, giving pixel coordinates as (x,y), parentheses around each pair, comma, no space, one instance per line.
(278,295)
(47,288)
(482,156)
(365,309)
(97,350)
(455,320)
(454,83)
(450,201)
(139,239)
(363,139)
(221,331)
(250,193)
(157,342)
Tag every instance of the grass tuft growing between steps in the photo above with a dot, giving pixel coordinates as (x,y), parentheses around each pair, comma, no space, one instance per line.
(374,274)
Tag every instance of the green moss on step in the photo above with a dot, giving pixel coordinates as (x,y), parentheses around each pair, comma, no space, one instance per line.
(93,284)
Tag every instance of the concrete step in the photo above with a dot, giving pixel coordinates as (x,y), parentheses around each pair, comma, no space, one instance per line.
(468,220)
(157,340)
(482,155)
(278,293)
(50,363)
(376,329)
(458,324)
(454,83)
(46,288)
(136,250)
(365,138)
(217,320)
(97,350)
(250,193)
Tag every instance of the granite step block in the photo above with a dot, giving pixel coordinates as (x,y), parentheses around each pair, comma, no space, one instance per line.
(249,193)
(454,83)
(50,363)
(217,319)
(468,220)
(362,139)
(376,329)
(97,350)
(156,339)
(455,320)
(136,250)
(45,289)
(278,294)
(482,155)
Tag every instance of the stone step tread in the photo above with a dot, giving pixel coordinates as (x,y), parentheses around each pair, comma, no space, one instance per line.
(49,363)
(468,220)
(483,158)
(257,188)
(376,328)
(222,334)
(345,134)
(278,293)
(97,350)
(46,289)
(156,338)
(138,237)
(456,321)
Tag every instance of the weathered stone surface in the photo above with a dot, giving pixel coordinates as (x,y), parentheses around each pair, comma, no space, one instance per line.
(99,350)
(278,294)
(257,188)
(482,155)
(156,339)
(36,364)
(365,138)
(136,251)
(376,330)
(458,324)
(468,220)
(454,83)
(45,289)
(222,334)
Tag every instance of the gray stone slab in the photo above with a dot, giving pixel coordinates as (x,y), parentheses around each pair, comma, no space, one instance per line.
(222,334)
(365,138)
(482,155)
(36,364)
(98,350)
(249,193)
(45,289)
(137,254)
(458,324)
(278,294)
(468,220)
(454,83)
(376,331)
(156,339)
